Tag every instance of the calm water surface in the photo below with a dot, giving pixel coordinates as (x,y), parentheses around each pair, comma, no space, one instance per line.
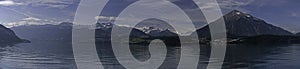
(58,55)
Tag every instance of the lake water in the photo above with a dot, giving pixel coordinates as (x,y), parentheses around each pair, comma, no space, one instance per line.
(58,55)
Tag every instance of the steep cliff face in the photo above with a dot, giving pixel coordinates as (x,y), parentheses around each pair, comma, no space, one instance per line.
(7,36)
(241,24)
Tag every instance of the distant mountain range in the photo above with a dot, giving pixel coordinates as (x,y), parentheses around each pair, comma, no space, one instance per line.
(240,27)
(62,32)
(8,37)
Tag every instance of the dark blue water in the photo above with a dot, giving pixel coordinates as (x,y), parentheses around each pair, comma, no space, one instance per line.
(58,55)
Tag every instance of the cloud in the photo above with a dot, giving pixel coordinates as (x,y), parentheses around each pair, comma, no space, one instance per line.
(51,3)
(39,3)
(26,21)
(9,3)
(294,14)
(21,23)
(225,4)
(31,19)
(105,18)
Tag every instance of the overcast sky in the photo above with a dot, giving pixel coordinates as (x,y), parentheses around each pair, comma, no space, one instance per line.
(282,13)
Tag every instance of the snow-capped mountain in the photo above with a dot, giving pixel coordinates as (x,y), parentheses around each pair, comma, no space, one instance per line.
(162,33)
(242,24)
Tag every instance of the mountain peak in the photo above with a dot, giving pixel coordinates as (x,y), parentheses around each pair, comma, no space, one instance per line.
(243,24)
(236,12)
(237,15)
(104,25)
(66,24)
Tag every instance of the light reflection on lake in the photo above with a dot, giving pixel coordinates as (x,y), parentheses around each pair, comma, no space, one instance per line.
(58,55)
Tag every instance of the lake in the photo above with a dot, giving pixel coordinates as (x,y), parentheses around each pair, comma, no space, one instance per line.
(58,55)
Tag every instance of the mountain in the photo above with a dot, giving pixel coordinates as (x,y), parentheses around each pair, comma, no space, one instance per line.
(242,24)
(107,28)
(8,36)
(239,26)
(156,28)
(137,36)
(103,32)
(62,31)
(162,33)
(297,34)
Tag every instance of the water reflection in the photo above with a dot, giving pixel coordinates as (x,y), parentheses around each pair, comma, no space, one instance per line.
(58,55)
(237,56)
(37,55)
(258,56)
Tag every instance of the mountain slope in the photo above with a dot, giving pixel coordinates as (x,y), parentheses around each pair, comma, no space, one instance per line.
(7,36)
(241,24)
(103,31)
(162,33)
(62,31)
(297,34)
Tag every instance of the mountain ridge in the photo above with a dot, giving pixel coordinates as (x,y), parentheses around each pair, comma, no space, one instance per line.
(239,26)
(8,37)
(242,24)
